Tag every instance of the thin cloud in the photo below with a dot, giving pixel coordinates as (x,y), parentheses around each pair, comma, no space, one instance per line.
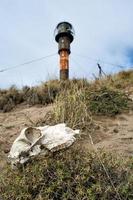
(103,30)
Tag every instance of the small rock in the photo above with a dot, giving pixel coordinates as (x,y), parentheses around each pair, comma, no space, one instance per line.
(115,130)
(97,127)
(6,150)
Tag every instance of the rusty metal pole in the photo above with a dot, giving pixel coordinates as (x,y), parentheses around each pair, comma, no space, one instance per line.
(64,36)
(64,65)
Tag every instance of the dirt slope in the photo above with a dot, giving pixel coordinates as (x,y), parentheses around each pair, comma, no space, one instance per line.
(117,134)
(13,122)
(113,134)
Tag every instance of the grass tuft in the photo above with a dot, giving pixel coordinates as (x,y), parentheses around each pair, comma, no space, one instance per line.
(71,108)
(106,101)
(72,174)
(76,106)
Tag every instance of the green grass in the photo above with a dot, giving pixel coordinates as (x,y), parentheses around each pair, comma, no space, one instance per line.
(106,101)
(70,174)
(77,106)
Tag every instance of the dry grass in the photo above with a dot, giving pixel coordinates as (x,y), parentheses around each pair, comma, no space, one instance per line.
(71,108)
(76,105)
(120,81)
(72,174)
(47,92)
(39,95)
(43,94)
(10,98)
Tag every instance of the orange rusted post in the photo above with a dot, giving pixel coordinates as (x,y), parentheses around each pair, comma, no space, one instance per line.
(64,65)
(64,36)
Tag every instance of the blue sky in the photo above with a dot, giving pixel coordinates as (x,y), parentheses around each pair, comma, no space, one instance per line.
(103,31)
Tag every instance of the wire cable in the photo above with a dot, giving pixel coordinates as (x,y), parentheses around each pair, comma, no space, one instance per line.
(81,66)
(102,61)
(77,63)
(28,62)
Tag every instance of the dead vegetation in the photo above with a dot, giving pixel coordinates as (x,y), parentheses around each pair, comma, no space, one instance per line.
(43,95)
(80,100)
(73,174)
(46,93)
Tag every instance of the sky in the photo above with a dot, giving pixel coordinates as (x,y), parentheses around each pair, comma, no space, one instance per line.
(103,32)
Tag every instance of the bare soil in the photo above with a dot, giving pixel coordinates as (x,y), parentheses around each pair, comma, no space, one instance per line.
(13,122)
(114,134)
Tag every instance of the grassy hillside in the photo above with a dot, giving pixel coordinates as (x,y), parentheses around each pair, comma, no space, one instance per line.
(47,92)
(74,173)
(71,174)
